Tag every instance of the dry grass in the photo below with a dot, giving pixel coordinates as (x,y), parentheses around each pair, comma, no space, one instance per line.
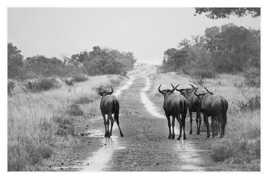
(32,128)
(240,148)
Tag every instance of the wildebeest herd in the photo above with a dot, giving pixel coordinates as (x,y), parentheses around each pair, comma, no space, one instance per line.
(176,105)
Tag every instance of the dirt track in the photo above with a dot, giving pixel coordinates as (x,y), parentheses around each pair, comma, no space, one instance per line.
(145,146)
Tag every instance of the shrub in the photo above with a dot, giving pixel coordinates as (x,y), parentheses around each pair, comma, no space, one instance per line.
(79,78)
(10,87)
(251,104)
(75,110)
(65,126)
(45,151)
(42,84)
(252,77)
(236,150)
(221,151)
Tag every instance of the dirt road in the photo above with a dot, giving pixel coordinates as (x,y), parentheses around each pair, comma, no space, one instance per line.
(145,146)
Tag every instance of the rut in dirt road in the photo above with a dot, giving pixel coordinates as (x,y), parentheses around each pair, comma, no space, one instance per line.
(146,147)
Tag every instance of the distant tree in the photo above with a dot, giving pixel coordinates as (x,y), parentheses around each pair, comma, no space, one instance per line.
(104,61)
(215,13)
(228,48)
(15,61)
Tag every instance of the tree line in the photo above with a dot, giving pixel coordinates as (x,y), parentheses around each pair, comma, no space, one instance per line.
(225,49)
(93,62)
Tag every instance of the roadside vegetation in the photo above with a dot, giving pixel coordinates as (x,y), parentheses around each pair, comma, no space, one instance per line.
(50,99)
(42,125)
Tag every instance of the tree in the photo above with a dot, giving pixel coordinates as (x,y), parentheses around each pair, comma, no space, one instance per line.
(15,61)
(216,13)
(104,61)
(228,48)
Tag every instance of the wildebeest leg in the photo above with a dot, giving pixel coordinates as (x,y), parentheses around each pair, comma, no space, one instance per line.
(198,122)
(173,124)
(179,120)
(105,125)
(222,125)
(116,117)
(207,124)
(169,125)
(213,125)
(183,125)
(191,121)
(112,123)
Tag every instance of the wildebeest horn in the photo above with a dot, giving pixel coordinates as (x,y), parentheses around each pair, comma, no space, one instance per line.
(208,91)
(194,87)
(160,91)
(174,87)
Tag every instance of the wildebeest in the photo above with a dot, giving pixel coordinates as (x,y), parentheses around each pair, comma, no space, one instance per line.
(175,106)
(193,106)
(109,106)
(215,106)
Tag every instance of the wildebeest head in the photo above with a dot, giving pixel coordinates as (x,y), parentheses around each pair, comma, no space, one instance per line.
(105,92)
(200,95)
(166,92)
(187,91)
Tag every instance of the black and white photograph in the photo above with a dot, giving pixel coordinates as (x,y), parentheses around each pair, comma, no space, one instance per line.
(133,89)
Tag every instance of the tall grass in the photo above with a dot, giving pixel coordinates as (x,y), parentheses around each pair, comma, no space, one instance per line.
(36,121)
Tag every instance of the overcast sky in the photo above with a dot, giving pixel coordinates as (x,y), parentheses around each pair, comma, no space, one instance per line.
(145,32)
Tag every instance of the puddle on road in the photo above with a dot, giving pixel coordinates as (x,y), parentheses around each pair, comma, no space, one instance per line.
(190,158)
(101,157)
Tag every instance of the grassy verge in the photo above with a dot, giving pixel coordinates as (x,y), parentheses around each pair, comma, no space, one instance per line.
(42,127)
(240,148)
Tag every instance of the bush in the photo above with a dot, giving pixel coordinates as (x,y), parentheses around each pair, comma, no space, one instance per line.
(44,84)
(65,126)
(221,151)
(75,110)
(10,87)
(236,150)
(252,103)
(252,77)
(79,78)
(45,151)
